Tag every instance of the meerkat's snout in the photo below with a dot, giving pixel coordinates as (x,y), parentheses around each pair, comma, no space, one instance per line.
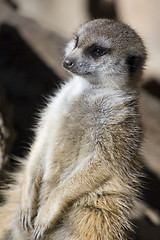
(68,63)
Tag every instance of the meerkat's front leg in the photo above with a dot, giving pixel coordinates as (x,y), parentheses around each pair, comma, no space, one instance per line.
(32,179)
(83,181)
(29,189)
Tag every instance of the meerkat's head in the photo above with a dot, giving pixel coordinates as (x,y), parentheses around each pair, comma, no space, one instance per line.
(105,51)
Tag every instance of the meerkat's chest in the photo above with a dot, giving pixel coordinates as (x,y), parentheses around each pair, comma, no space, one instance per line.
(79,108)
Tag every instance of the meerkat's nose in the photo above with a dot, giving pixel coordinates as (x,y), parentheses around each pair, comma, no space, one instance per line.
(68,63)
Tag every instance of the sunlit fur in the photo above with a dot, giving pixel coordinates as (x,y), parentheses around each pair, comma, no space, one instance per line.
(81,176)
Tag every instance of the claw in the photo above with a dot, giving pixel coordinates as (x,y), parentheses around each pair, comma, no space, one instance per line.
(26,227)
(25,223)
(26,220)
(38,232)
(29,221)
(22,219)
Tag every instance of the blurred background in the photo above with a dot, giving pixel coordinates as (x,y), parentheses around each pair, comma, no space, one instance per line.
(33,34)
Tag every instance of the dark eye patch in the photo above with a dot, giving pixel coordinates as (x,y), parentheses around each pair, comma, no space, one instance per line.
(97,51)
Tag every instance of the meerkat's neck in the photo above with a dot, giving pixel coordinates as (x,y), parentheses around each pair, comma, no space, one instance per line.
(111,84)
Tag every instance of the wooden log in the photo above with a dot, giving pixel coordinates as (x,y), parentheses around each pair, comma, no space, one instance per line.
(7,132)
(47,44)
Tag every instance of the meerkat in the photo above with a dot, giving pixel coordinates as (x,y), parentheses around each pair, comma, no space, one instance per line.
(81,176)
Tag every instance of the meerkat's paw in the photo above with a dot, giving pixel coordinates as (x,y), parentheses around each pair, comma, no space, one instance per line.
(26,217)
(42,223)
(47,216)
(29,201)
(28,213)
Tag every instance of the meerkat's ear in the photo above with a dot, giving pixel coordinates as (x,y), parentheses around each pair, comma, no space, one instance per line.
(134,63)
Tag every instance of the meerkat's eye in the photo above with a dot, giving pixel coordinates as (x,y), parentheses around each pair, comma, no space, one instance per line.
(97,51)
(76,41)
